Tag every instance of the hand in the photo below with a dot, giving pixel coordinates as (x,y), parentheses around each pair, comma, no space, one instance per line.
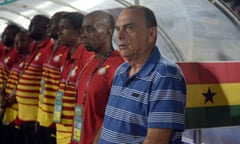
(11,99)
(1,96)
(3,103)
(158,136)
(1,112)
(36,126)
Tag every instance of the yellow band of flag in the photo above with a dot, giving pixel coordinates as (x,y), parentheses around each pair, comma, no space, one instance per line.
(225,94)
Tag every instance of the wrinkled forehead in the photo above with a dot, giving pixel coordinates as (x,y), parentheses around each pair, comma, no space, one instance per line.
(65,22)
(130,16)
(87,20)
(90,20)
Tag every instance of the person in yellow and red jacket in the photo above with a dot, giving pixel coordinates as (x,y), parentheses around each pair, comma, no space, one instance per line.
(49,83)
(28,88)
(8,58)
(9,54)
(69,35)
(14,133)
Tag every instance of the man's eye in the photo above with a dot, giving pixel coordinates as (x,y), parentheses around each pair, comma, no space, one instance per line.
(89,29)
(126,28)
(129,28)
(117,29)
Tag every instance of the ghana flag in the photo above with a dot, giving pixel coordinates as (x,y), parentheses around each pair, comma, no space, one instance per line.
(213,94)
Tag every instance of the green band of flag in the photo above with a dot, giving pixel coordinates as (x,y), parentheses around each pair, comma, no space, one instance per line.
(206,117)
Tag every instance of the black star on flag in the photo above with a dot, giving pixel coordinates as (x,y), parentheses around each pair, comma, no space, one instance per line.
(209,96)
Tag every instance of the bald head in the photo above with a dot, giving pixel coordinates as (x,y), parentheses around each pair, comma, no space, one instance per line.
(102,17)
(97,31)
(147,13)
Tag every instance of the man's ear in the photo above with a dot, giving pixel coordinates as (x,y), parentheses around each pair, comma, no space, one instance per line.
(152,34)
(109,31)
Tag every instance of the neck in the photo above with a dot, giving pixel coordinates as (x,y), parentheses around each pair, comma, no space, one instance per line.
(25,53)
(72,48)
(135,68)
(103,52)
(40,39)
(56,44)
(9,47)
(137,61)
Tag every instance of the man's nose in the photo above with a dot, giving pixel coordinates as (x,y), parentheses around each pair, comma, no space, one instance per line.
(120,34)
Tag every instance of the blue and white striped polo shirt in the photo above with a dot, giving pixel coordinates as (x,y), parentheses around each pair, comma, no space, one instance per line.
(152,98)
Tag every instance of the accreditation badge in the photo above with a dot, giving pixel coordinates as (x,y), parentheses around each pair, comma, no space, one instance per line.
(77,123)
(42,90)
(57,114)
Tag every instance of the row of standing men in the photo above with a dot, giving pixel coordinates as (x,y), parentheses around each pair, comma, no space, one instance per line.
(57,77)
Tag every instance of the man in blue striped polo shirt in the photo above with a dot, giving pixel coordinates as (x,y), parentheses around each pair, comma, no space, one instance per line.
(147,99)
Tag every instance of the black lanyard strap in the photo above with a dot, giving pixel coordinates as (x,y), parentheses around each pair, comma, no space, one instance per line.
(92,74)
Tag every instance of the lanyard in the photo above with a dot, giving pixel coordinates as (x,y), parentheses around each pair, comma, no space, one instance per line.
(78,120)
(55,47)
(92,74)
(52,54)
(57,114)
(69,74)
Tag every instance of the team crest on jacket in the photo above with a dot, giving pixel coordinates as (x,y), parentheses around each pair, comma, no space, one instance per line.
(37,56)
(21,65)
(57,58)
(73,72)
(6,60)
(103,70)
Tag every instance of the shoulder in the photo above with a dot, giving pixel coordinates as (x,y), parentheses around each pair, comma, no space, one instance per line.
(168,68)
(62,48)
(115,58)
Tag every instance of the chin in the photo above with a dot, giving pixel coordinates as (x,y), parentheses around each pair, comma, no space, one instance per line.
(87,48)
(123,53)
